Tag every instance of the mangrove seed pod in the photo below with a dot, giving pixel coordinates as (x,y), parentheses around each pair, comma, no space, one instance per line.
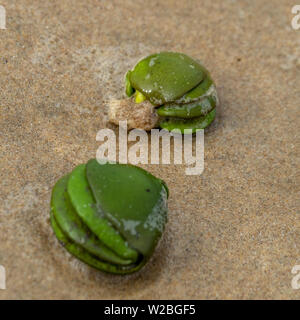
(180,89)
(110,216)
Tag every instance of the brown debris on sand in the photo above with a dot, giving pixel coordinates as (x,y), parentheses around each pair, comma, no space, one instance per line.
(138,116)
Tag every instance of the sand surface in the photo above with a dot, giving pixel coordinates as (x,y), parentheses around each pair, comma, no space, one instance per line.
(233,231)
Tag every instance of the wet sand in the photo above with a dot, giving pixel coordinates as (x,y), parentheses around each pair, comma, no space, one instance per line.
(233,232)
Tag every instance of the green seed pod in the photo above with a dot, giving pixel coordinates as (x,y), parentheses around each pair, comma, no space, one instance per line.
(180,87)
(110,216)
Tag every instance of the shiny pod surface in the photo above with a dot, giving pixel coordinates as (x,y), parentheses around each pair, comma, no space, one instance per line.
(166,76)
(110,216)
(180,87)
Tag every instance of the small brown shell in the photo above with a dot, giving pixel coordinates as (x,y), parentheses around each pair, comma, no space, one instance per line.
(138,116)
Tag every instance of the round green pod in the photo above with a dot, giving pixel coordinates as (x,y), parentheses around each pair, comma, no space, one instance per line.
(81,241)
(133,200)
(180,87)
(72,226)
(83,202)
(166,76)
(194,124)
(188,110)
